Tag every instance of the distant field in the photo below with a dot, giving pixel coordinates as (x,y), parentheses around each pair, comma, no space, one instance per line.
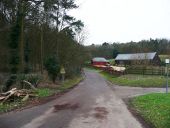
(110,60)
(93,69)
(136,80)
(163,57)
(149,70)
(133,80)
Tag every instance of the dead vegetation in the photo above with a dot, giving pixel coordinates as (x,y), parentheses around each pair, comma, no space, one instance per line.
(23,94)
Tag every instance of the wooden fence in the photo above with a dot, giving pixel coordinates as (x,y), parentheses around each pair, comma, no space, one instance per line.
(147,71)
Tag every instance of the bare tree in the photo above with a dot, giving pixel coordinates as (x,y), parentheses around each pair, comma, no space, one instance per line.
(81,36)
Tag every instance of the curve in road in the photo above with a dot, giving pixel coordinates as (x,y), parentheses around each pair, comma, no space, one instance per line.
(92,104)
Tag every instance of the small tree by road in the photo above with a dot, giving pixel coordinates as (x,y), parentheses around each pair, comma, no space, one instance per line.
(52,66)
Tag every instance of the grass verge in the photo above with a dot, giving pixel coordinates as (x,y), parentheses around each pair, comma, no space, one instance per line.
(41,93)
(93,69)
(44,92)
(10,106)
(68,84)
(154,108)
(136,80)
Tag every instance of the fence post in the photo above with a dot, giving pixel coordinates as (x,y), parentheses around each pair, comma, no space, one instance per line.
(143,70)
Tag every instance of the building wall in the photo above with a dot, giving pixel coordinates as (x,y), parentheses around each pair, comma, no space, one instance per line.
(155,61)
(99,63)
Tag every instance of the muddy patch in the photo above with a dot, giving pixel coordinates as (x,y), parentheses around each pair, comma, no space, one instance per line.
(100,113)
(66,106)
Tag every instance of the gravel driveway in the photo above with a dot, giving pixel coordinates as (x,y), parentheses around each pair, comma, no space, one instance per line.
(92,104)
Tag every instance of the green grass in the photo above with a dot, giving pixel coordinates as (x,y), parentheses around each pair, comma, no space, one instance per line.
(136,80)
(154,108)
(10,106)
(112,61)
(44,92)
(163,57)
(41,92)
(70,83)
(93,69)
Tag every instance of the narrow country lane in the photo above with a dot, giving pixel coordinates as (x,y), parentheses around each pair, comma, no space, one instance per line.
(92,104)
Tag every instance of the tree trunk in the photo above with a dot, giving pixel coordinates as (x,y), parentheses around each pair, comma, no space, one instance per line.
(41,50)
(22,39)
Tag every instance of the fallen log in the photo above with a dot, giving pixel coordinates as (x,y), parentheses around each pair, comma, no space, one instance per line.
(2,98)
(28,83)
(12,92)
(9,92)
(24,94)
(25,98)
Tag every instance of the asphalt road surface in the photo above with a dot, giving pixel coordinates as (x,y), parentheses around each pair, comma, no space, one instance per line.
(92,104)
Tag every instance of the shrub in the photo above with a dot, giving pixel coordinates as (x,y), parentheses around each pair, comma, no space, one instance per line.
(52,66)
(10,81)
(34,79)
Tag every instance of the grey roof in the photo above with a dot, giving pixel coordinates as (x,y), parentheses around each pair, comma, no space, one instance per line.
(136,56)
(99,59)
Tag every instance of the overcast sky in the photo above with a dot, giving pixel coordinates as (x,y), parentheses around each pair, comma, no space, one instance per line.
(124,20)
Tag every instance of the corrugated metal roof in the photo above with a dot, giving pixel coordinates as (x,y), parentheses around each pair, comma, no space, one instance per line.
(99,59)
(136,56)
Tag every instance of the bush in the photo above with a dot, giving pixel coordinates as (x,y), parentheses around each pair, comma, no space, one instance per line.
(112,61)
(52,66)
(163,63)
(34,79)
(44,92)
(10,81)
(71,72)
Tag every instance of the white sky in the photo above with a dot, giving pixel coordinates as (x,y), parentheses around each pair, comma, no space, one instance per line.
(124,20)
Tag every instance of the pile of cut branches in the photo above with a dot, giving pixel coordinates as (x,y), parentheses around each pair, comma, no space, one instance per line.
(22,94)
